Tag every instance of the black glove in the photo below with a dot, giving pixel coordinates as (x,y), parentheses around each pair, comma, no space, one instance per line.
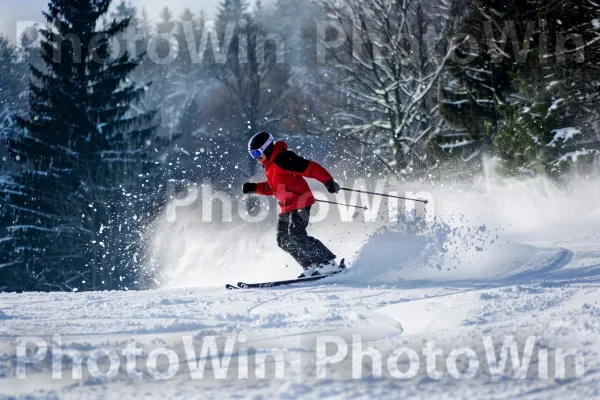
(249,188)
(332,186)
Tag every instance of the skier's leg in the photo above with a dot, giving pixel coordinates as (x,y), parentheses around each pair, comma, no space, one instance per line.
(283,232)
(309,248)
(287,242)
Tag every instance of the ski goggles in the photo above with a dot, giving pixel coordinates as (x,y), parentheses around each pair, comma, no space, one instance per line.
(259,152)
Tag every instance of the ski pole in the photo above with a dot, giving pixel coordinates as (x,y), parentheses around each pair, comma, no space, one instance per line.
(385,195)
(340,204)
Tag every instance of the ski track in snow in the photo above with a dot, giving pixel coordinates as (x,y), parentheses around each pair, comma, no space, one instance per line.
(525,267)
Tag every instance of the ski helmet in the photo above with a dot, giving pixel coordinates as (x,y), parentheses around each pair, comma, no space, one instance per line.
(259,143)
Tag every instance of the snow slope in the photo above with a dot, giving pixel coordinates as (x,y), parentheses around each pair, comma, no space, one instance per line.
(503,260)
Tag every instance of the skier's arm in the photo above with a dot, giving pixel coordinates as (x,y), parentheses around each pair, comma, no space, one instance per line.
(290,161)
(259,188)
(264,188)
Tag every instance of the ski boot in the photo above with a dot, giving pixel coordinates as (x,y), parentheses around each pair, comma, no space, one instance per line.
(308,271)
(327,268)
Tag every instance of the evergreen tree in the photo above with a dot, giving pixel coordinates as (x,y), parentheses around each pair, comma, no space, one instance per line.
(470,93)
(525,141)
(125,11)
(229,15)
(84,162)
(528,84)
(187,19)
(166,22)
(145,74)
(200,24)
(190,76)
(11,87)
(163,73)
(10,92)
(145,25)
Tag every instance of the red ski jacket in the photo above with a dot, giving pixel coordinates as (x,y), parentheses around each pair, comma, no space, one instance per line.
(285,172)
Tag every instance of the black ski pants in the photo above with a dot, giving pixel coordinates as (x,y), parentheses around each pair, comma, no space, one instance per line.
(292,238)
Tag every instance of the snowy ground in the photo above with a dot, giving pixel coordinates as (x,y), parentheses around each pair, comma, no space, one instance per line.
(528,270)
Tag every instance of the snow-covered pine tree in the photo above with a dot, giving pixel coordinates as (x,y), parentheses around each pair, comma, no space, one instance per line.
(470,92)
(145,73)
(190,78)
(187,18)
(532,85)
(84,162)
(229,12)
(542,129)
(572,74)
(125,10)
(11,87)
(164,69)
(524,140)
(10,91)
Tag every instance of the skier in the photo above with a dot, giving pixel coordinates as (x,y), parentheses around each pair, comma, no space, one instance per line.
(285,172)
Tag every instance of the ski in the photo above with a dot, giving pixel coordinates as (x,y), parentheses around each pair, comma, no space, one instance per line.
(230,287)
(243,285)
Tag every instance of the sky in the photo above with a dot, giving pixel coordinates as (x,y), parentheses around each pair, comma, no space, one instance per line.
(12,11)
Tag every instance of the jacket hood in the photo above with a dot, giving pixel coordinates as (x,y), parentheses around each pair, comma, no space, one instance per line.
(278,147)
